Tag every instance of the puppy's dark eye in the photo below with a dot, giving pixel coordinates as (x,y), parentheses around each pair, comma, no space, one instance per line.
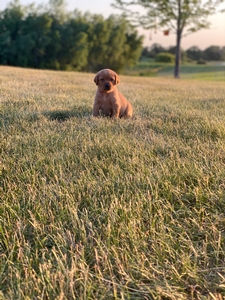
(101,79)
(112,79)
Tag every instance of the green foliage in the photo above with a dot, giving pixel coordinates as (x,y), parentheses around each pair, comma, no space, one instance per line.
(201,62)
(54,39)
(194,53)
(212,53)
(153,50)
(111,209)
(164,57)
(113,43)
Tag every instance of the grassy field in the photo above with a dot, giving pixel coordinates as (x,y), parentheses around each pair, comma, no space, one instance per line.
(211,71)
(111,209)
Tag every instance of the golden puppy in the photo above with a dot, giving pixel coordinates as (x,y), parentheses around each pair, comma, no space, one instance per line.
(108,99)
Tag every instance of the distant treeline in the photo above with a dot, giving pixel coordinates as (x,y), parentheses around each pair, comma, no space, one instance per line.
(48,37)
(212,53)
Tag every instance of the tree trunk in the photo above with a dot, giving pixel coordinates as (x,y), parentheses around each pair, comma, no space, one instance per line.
(177,57)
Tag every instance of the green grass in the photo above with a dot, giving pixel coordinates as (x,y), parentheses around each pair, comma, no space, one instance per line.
(210,71)
(111,209)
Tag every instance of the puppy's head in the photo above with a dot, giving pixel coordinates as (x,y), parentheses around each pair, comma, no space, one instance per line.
(106,80)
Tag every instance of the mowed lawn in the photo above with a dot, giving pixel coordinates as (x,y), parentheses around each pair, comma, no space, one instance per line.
(211,71)
(94,208)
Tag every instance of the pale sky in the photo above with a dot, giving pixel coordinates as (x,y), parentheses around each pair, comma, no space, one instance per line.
(203,38)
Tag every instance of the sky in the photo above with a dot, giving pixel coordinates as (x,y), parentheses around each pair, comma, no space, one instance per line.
(203,38)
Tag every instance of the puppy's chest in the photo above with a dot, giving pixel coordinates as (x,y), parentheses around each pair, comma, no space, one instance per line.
(106,100)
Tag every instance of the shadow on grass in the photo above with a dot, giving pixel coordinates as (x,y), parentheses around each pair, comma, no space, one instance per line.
(64,115)
(16,112)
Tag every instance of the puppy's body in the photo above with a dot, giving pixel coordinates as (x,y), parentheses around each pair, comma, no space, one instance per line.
(108,99)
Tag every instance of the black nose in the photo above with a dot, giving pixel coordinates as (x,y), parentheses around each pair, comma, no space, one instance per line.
(107,86)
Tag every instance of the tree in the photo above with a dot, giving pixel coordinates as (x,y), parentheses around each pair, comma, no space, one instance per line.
(74,48)
(194,53)
(179,16)
(49,37)
(183,55)
(213,53)
(152,51)
(223,53)
(11,21)
(113,43)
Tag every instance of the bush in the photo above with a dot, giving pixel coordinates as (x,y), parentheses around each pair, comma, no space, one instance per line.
(164,57)
(201,61)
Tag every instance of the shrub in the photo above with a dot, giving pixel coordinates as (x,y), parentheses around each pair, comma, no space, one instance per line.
(164,57)
(201,61)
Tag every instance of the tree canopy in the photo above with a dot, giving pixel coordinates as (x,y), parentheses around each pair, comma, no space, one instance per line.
(50,37)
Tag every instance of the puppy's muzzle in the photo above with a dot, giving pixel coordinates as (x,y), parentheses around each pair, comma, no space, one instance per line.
(107,86)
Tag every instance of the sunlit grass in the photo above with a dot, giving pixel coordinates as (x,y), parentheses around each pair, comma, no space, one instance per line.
(105,209)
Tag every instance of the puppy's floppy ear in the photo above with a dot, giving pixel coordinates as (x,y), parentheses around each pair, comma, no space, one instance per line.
(96,79)
(117,79)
